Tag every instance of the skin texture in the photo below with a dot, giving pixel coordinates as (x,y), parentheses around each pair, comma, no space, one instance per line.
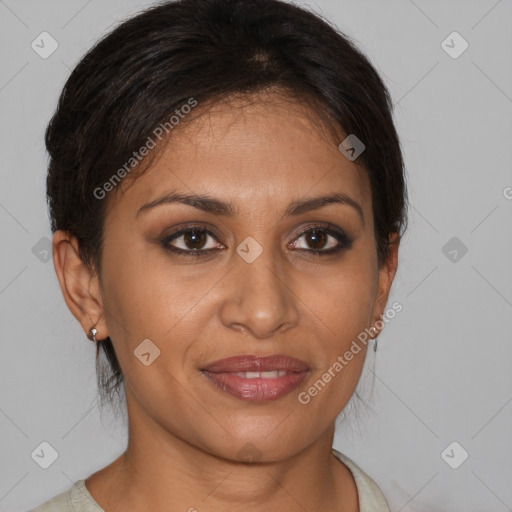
(184,433)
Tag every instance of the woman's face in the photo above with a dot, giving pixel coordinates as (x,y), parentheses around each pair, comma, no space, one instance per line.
(251,285)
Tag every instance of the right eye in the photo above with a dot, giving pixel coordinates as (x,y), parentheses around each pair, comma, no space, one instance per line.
(194,240)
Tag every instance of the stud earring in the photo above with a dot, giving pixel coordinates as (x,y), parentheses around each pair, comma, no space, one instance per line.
(93,334)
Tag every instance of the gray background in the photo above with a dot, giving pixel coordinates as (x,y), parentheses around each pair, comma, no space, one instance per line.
(443,369)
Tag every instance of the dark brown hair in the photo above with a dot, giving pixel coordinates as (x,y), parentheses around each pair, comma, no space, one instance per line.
(135,77)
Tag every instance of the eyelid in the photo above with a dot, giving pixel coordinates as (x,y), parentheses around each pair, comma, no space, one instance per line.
(185,227)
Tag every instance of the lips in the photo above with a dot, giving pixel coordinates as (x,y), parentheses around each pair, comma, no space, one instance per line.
(249,363)
(257,379)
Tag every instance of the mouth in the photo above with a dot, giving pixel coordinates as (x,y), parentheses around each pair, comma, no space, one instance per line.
(257,379)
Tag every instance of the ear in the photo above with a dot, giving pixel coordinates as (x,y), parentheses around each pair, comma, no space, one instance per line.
(386,275)
(79,285)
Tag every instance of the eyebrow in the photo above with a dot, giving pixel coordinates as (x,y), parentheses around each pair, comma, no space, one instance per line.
(217,207)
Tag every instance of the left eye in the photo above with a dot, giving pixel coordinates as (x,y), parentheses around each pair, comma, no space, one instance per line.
(317,240)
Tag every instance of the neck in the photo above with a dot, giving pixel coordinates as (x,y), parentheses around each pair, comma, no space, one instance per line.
(159,468)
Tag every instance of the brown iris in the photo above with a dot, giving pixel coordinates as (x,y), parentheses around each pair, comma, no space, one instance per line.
(316,238)
(194,239)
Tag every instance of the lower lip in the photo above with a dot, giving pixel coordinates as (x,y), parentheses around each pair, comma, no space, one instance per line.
(256,390)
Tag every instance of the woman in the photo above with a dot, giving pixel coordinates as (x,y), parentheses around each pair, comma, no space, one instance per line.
(227,196)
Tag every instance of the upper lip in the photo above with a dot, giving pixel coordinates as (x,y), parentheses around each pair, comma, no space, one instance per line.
(251,363)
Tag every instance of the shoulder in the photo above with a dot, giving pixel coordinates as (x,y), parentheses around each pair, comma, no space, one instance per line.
(76,499)
(370,496)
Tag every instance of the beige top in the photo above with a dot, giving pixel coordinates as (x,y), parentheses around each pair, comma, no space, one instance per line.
(78,498)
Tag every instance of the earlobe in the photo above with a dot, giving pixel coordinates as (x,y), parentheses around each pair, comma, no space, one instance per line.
(79,285)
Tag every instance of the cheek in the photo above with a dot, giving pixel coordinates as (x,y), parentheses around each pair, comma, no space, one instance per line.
(343,307)
(342,296)
(342,304)
(147,297)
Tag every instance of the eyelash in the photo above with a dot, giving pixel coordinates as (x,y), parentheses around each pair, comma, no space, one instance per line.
(345,242)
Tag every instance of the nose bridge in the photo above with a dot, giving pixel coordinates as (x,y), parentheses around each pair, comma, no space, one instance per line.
(259,299)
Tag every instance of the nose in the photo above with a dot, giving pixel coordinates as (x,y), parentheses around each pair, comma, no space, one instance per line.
(259,298)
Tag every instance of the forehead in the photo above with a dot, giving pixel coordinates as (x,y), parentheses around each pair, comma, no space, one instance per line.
(259,152)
